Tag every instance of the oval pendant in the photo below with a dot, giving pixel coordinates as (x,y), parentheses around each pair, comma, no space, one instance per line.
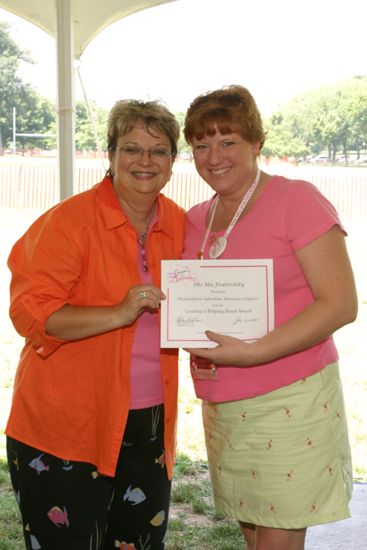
(218,247)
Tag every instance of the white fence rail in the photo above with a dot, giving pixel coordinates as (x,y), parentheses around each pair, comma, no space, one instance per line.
(33,185)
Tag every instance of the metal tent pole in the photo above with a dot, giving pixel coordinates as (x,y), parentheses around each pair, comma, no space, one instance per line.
(65,98)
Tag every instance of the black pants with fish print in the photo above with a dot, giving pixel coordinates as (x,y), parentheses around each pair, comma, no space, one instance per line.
(67,506)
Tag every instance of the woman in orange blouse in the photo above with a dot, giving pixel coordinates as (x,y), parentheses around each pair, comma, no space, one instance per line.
(91,433)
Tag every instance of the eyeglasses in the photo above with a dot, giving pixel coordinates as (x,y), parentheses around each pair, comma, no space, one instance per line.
(137,152)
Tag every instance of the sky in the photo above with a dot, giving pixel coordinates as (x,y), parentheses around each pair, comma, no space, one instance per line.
(276,48)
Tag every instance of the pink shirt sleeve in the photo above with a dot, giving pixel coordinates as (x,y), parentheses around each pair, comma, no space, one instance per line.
(309,214)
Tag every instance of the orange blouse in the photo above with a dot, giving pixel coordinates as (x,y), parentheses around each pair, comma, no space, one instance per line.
(71,398)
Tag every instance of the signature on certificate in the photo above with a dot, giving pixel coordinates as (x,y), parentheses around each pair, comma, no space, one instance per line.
(180,275)
(244,320)
(183,321)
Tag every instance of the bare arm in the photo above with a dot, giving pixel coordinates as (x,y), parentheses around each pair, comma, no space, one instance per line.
(76,322)
(327,269)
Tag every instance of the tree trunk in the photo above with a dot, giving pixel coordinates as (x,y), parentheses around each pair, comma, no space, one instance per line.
(345,152)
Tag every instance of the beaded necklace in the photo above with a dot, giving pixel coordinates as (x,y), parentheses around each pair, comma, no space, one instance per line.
(143,252)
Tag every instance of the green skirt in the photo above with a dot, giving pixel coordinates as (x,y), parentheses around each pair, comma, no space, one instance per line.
(282,459)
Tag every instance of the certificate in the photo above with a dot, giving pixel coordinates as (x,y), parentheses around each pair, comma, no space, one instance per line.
(231,297)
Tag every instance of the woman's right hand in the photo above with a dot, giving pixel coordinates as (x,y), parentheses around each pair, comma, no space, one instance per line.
(138,299)
(77,322)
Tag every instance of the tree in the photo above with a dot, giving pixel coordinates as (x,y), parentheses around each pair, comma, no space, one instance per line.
(85,139)
(10,83)
(357,113)
(331,118)
(282,138)
(183,147)
(33,113)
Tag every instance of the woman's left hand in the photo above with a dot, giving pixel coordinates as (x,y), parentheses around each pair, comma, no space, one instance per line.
(230,351)
(334,304)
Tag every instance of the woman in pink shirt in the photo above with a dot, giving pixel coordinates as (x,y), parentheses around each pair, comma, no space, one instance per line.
(273,410)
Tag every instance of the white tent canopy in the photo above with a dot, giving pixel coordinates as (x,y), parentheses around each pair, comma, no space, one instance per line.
(74,23)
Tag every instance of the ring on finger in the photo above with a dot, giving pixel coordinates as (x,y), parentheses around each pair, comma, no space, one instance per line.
(142,294)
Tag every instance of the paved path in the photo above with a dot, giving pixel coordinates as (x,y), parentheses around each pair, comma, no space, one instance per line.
(350,534)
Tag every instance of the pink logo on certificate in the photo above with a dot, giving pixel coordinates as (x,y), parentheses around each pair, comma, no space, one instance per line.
(181,274)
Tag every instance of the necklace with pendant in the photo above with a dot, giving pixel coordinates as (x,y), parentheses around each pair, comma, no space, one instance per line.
(219,245)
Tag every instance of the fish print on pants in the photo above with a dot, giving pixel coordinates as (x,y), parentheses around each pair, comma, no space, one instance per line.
(38,464)
(58,517)
(67,466)
(158,519)
(161,460)
(35,545)
(134,496)
(124,545)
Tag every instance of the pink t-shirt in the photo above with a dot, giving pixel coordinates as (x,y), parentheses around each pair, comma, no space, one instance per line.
(145,375)
(288,215)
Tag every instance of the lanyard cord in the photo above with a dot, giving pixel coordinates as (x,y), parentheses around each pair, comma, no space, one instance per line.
(234,220)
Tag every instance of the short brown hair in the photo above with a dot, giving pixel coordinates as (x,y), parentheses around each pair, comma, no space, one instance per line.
(231,108)
(152,115)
